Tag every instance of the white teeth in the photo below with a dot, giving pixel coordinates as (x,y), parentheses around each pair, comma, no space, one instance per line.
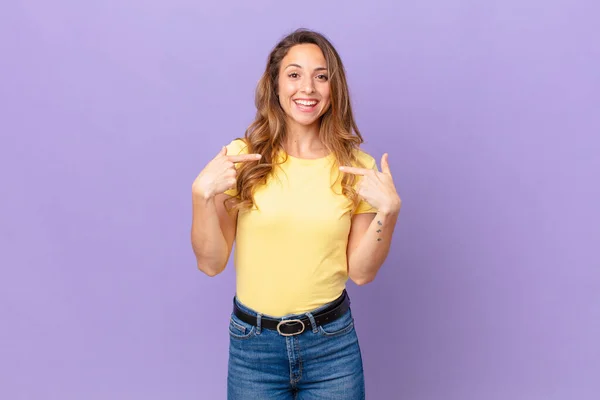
(306,103)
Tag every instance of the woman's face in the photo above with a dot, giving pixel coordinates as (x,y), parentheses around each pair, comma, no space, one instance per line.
(304,84)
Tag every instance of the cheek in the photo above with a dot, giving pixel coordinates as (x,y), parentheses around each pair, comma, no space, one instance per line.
(286,89)
(326,104)
(325,95)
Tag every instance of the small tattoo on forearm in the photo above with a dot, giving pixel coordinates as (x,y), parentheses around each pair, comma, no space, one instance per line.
(379,230)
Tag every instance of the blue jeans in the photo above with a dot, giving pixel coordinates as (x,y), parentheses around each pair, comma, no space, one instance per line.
(323,363)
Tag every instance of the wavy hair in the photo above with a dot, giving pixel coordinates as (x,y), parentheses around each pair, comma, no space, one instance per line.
(338,130)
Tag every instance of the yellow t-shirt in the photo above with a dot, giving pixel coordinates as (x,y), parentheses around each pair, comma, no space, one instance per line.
(290,248)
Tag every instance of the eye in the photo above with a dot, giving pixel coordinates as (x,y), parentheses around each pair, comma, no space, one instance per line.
(322,77)
(293,75)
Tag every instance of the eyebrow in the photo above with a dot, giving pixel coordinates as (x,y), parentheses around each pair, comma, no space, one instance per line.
(298,66)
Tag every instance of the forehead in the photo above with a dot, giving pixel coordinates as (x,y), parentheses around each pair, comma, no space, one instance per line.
(307,55)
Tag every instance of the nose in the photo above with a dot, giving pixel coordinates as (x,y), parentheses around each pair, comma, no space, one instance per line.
(308,85)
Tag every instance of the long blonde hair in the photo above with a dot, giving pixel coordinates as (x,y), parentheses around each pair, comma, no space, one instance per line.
(338,130)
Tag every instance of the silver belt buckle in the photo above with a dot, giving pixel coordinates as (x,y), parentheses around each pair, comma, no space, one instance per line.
(287,321)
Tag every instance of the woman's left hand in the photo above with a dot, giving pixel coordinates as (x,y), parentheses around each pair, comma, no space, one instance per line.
(377,188)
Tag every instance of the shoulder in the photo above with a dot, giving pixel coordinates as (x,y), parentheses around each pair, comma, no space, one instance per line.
(365,159)
(236,147)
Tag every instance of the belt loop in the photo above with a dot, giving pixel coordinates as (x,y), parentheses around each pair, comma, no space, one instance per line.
(312,322)
(258,321)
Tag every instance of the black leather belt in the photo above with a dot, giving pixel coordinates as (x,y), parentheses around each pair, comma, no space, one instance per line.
(291,327)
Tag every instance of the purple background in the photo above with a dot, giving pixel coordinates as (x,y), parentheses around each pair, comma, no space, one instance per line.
(490,113)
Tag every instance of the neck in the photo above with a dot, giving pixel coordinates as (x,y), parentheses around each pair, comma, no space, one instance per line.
(303,140)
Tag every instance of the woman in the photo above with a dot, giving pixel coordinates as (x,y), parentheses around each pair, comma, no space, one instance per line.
(307,210)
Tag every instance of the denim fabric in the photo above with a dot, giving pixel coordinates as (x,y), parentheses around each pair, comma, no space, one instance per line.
(323,363)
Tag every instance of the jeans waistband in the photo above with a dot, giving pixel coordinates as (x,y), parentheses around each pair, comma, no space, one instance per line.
(294,324)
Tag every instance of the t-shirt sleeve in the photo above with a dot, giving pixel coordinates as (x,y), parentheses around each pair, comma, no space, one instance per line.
(236,147)
(363,206)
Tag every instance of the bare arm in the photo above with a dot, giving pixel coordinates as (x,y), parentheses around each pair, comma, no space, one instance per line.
(213,233)
(369,244)
(213,228)
(371,234)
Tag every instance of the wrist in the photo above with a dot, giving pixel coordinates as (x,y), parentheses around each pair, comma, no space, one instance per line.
(202,196)
(391,209)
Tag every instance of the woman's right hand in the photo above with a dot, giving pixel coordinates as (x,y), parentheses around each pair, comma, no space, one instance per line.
(219,174)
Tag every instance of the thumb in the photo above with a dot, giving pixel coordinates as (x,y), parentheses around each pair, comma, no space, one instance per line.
(385,166)
(223,151)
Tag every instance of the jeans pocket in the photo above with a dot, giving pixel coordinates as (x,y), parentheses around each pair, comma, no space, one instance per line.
(239,329)
(340,326)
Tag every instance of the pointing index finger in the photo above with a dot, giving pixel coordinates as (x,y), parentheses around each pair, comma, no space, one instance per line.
(244,158)
(355,170)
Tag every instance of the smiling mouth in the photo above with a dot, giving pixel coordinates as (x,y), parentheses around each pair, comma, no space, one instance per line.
(306,105)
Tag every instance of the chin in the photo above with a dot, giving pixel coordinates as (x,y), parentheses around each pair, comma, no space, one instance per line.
(307,121)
